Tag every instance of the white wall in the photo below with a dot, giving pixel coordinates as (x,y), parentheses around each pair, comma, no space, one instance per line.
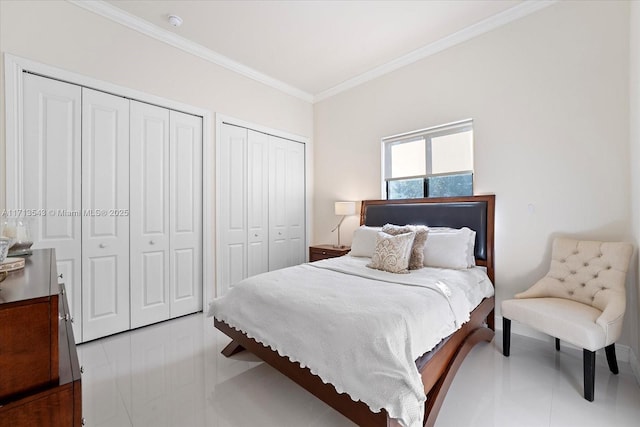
(634,115)
(65,36)
(549,95)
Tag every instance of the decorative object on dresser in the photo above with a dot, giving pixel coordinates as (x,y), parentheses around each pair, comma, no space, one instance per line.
(345,209)
(5,242)
(318,252)
(11,264)
(581,300)
(39,366)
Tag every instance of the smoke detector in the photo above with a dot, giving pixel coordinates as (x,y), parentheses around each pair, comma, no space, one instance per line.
(174,20)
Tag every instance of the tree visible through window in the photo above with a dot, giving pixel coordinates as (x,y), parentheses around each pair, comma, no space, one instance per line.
(433,162)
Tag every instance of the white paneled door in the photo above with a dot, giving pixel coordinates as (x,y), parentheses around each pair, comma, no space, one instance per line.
(258,203)
(115,187)
(185,245)
(105,220)
(296,211)
(149,220)
(286,203)
(232,209)
(262,202)
(51,173)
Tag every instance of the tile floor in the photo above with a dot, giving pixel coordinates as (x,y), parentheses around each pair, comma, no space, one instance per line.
(172,374)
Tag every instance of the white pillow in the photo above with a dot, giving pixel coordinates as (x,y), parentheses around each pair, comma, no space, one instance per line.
(450,248)
(392,253)
(364,241)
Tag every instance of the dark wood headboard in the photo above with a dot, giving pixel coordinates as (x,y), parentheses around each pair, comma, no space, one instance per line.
(475,212)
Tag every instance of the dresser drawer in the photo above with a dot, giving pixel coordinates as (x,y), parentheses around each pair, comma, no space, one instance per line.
(40,381)
(319,252)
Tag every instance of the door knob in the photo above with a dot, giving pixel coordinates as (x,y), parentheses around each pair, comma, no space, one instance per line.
(60,276)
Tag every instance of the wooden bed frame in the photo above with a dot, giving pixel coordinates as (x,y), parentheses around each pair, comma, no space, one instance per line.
(438,373)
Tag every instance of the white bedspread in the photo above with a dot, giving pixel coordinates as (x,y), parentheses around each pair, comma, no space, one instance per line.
(357,328)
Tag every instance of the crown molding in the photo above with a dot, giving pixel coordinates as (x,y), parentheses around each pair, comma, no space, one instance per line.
(495,21)
(122,17)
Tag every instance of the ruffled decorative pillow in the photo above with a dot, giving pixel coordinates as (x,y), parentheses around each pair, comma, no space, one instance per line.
(392,253)
(417,250)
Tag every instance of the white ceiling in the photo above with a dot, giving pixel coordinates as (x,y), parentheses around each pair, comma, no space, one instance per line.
(319,46)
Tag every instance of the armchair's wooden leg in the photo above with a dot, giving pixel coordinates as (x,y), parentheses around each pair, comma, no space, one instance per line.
(589,373)
(557,344)
(610,351)
(506,336)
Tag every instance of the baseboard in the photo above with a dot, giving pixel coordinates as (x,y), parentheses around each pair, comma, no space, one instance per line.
(635,366)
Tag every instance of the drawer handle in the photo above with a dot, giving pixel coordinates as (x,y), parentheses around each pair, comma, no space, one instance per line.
(324,252)
(152,242)
(82,372)
(102,246)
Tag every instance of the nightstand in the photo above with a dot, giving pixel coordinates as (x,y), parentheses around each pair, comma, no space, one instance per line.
(318,252)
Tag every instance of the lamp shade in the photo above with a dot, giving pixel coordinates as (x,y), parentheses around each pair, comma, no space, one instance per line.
(345,208)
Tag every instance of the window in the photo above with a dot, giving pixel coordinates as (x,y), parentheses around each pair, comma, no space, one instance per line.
(433,162)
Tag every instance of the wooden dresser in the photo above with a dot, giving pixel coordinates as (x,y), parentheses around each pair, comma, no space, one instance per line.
(39,369)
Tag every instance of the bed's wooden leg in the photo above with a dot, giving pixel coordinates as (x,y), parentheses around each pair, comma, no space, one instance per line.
(436,395)
(231,349)
(491,321)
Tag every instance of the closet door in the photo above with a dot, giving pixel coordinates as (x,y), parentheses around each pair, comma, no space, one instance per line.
(286,203)
(258,203)
(185,213)
(149,220)
(51,178)
(105,220)
(296,206)
(232,232)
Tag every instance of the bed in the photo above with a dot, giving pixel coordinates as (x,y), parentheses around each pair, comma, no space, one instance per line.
(438,366)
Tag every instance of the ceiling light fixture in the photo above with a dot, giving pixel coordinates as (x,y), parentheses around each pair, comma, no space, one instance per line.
(174,20)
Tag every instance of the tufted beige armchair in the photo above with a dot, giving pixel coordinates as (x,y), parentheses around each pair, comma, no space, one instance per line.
(581,300)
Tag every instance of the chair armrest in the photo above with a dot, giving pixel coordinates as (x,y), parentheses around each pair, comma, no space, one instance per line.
(537,290)
(611,320)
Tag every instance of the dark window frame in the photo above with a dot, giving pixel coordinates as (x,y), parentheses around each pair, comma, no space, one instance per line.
(427,135)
